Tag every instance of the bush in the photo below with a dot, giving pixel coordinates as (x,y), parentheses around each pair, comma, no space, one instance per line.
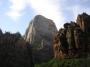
(81,62)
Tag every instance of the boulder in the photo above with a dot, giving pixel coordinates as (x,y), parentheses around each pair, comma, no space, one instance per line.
(40,35)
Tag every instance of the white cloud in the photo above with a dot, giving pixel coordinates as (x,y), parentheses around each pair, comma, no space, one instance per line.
(16,8)
(14,15)
(48,8)
(52,9)
(77,9)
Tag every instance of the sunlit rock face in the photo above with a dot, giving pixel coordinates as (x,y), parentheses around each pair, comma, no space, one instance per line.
(83,21)
(40,35)
(73,40)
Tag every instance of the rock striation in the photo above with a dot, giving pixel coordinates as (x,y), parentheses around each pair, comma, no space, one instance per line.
(40,35)
(73,40)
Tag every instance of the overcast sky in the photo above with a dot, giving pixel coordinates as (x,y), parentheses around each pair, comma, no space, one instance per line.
(15,15)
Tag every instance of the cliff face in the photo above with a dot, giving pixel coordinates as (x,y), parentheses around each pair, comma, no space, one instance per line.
(40,35)
(1,32)
(74,39)
(83,21)
(14,51)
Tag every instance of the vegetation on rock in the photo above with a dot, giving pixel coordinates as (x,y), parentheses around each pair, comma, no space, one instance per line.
(14,51)
(73,41)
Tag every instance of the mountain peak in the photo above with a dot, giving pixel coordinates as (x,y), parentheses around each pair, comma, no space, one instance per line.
(40,35)
(40,17)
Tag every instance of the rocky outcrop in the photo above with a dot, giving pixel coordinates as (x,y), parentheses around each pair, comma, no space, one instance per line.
(74,39)
(40,35)
(1,32)
(83,21)
(14,51)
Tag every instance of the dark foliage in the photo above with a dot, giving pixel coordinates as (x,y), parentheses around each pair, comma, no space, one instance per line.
(14,51)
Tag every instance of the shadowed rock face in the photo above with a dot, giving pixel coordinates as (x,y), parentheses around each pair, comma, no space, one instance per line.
(14,51)
(40,35)
(1,32)
(83,21)
(74,39)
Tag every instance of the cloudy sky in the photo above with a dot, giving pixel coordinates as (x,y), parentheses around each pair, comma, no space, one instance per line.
(15,15)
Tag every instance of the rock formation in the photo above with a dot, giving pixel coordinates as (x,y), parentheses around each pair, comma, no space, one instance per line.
(84,22)
(74,39)
(40,35)
(14,51)
(1,32)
